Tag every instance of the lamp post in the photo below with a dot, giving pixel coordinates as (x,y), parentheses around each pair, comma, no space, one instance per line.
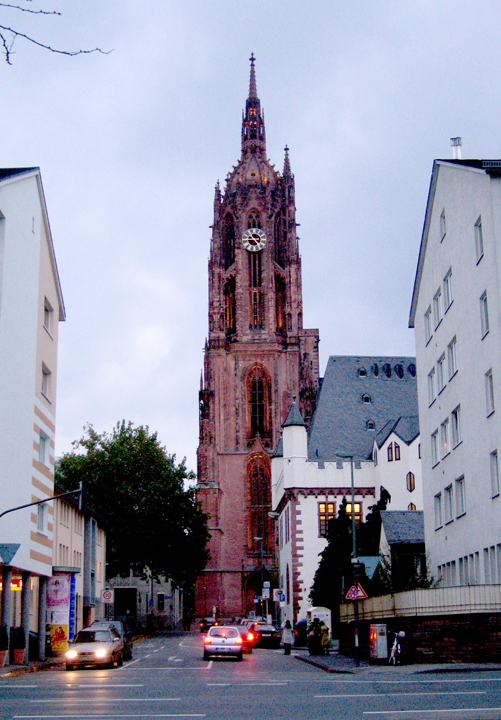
(354,558)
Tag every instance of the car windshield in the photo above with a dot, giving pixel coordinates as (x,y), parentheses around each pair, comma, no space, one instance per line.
(265,628)
(223,632)
(90,636)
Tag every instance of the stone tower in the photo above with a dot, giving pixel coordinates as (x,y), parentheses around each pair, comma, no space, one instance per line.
(257,358)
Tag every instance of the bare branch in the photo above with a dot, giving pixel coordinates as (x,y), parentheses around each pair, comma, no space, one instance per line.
(33,12)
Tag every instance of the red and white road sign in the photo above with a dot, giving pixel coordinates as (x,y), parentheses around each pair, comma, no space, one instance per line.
(107,596)
(356,592)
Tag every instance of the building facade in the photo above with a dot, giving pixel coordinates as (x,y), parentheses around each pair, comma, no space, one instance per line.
(367,410)
(257,357)
(456,315)
(31,307)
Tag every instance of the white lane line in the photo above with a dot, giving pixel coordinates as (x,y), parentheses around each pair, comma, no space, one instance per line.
(124,667)
(263,684)
(105,685)
(88,701)
(409,681)
(20,687)
(171,658)
(128,715)
(416,712)
(218,684)
(407,694)
(209,664)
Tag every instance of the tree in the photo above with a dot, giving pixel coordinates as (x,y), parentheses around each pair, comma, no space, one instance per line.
(8,34)
(152,519)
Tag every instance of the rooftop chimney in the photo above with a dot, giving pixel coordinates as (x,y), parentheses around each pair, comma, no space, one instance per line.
(456,144)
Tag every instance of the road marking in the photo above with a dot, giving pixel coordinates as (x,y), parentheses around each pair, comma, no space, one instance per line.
(104,700)
(129,664)
(264,684)
(104,685)
(21,687)
(415,712)
(408,694)
(408,681)
(218,684)
(128,715)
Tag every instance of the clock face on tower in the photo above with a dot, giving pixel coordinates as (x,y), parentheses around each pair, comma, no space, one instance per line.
(254,239)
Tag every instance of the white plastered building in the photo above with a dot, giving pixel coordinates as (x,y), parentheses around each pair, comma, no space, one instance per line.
(367,408)
(456,315)
(31,307)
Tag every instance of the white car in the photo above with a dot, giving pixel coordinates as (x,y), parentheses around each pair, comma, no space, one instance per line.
(223,640)
(95,647)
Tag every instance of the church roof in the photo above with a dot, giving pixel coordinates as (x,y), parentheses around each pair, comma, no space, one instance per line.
(407,429)
(11,172)
(359,396)
(403,527)
(294,417)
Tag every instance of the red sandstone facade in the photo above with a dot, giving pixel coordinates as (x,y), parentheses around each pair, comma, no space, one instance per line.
(257,358)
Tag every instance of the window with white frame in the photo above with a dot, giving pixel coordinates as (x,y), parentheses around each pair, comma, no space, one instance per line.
(445,439)
(326,512)
(479,239)
(494,474)
(427,325)
(432,393)
(460,496)
(441,373)
(448,498)
(452,360)
(434,448)
(448,290)
(443,227)
(48,316)
(42,513)
(438,510)
(45,381)
(437,308)
(489,392)
(43,448)
(456,426)
(484,315)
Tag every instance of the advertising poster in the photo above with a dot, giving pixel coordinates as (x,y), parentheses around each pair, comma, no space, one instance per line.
(61,610)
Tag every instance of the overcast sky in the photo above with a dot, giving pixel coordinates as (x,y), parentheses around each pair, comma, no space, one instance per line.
(131,144)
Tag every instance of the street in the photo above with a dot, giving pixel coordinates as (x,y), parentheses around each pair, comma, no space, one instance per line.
(169,679)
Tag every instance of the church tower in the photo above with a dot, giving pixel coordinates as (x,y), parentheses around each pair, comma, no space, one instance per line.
(257,358)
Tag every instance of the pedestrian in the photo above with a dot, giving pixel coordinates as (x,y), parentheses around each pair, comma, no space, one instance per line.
(287,637)
(314,637)
(396,650)
(324,639)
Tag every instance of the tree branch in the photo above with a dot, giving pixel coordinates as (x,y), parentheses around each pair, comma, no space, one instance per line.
(33,12)
(8,48)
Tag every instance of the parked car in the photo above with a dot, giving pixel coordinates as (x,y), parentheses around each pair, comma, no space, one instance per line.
(248,638)
(266,635)
(95,647)
(207,623)
(122,630)
(223,640)
(300,639)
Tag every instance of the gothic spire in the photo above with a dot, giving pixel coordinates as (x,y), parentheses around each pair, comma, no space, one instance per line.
(253,133)
(287,163)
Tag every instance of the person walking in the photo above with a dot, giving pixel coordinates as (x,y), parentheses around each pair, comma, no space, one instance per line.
(287,637)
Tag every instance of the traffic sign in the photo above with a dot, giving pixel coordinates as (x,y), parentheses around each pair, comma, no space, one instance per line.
(265,593)
(107,596)
(276,594)
(356,592)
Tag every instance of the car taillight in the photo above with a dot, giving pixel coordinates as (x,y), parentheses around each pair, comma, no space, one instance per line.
(239,641)
(250,636)
(207,640)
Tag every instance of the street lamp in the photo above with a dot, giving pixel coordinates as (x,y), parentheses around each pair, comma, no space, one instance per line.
(354,559)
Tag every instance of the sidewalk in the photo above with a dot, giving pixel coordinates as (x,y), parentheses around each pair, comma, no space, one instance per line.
(341,665)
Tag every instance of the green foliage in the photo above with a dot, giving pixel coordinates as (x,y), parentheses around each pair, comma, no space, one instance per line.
(137,488)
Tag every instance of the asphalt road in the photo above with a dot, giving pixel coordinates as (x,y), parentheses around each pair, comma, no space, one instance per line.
(169,679)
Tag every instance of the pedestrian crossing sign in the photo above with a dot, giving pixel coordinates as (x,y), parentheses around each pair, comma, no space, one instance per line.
(356,592)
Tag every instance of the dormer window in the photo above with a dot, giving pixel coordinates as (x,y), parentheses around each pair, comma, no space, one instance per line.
(366,398)
(362,372)
(371,425)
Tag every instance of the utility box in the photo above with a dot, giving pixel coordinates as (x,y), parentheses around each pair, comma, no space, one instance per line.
(378,642)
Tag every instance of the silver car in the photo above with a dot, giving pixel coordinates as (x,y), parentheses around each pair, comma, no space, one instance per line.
(223,640)
(95,647)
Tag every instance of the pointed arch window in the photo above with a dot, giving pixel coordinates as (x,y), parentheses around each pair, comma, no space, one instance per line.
(228,241)
(280,303)
(280,238)
(258,404)
(253,219)
(230,307)
(259,494)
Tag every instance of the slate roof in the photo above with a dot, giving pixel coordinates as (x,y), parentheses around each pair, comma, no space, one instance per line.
(342,421)
(10,172)
(403,526)
(407,429)
(294,417)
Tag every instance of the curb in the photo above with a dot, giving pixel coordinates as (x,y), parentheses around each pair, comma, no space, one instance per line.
(318,665)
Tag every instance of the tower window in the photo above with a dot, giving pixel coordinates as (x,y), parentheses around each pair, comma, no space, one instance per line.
(255,274)
(259,489)
(411,481)
(253,220)
(230,307)
(228,241)
(280,303)
(258,390)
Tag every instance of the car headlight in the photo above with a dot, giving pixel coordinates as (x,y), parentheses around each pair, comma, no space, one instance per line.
(71,654)
(101,652)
